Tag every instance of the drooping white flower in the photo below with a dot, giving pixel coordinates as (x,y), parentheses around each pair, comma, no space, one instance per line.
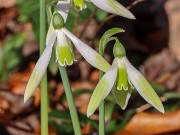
(123,76)
(63,40)
(114,7)
(110,6)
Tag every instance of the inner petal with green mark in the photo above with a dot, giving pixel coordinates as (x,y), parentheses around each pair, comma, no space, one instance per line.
(80,4)
(64,50)
(122,77)
(65,55)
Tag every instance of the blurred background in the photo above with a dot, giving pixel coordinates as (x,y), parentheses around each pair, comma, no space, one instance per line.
(152,42)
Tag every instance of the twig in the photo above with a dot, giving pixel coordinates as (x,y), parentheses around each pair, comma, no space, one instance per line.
(134,3)
(17,127)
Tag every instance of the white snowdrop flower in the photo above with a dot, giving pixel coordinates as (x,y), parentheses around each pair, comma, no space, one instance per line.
(123,76)
(63,40)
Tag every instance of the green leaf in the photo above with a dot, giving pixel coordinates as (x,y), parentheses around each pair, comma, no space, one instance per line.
(101,15)
(12,48)
(157,87)
(64,116)
(29,11)
(71,18)
(172,95)
(1,62)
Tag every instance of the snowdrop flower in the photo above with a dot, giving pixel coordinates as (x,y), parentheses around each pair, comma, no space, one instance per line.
(110,6)
(123,76)
(61,39)
(114,7)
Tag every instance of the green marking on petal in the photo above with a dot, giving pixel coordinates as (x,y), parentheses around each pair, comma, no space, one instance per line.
(65,55)
(79,4)
(33,82)
(122,78)
(64,50)
(97,96)
(122,97)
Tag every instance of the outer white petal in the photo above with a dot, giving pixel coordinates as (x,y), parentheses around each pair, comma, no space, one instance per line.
(63,8)
(143,87)
(112,6)
(39,69)
(49,33)
(103,88)
(91,56)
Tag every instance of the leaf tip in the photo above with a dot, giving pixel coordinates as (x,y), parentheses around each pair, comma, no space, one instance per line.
(89,114)
(161,109)
(26,97)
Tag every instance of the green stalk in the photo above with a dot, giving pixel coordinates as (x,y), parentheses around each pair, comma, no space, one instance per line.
(44,90)
(101,113)
(72,108)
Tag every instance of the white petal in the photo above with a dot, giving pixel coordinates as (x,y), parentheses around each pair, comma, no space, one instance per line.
(143,87)
(39,69)
(91,56)
(112,6)
(62,39)
(103,88)
(63,8)
(49,33)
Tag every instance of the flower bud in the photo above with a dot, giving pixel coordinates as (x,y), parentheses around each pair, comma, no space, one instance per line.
(58,21)
(119,50)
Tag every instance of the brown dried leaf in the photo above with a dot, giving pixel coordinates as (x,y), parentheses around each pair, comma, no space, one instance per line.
(86,129)
(18,81)
(8,14)
(4,106)
(94,77)
(7,3)
(149,124)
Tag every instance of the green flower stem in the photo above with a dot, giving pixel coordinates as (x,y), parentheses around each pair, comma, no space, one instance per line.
(101,112)
(72,108)
(102,45)
(44,91)
(102,105)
